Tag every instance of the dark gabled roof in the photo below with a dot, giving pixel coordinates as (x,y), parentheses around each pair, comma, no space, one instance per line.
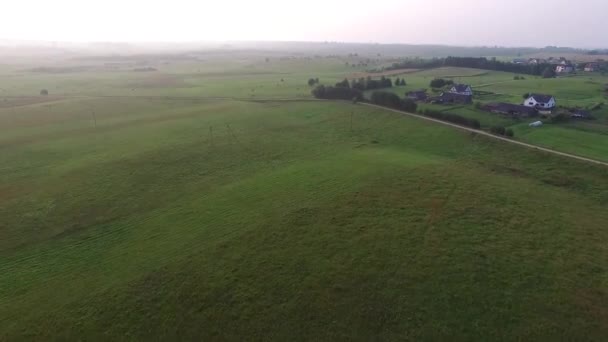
(461,88)
(455,96)
(541,98)
(417,94)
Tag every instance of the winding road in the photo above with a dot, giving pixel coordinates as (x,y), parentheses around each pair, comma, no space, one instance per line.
(480,132)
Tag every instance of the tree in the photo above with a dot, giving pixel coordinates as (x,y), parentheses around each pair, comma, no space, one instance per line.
(409,105)
(499,130)
(319,92)
(44,92)
(311,82)
(526,96)
(548,72)
(438,83)
(343,84)
(403,82)
(397,82)
(509,133)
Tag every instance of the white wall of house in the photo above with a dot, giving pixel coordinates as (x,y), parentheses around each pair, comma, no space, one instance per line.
(531,102)
(468,91)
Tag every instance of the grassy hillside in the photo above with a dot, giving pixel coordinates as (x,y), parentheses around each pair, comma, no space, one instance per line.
(219,219)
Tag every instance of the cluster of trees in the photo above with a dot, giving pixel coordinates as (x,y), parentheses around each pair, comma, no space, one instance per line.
(500,130)
(517,78)
(337,93)
(313,81)
(392,100)
(453,118)
(369,84)
(440,83)
(400,82)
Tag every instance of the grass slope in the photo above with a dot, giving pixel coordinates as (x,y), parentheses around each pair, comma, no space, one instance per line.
(239,220)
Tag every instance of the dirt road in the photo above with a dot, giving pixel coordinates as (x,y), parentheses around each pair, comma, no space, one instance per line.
(511,141)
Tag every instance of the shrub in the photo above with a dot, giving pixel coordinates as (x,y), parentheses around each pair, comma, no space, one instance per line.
(409,105)
(343,84)
(384,98)
(509,133)
(548,72)
(498,130)
(438,83)
(392,100)
(44,92)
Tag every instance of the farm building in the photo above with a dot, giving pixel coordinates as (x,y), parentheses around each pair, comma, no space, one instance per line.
(452,98)
(536,124)
(513,110)
(591,67)
(564,69)
(540,101)
(418,95)
(534,61)
(461,89)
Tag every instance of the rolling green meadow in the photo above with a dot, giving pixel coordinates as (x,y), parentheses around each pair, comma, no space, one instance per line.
(215,199)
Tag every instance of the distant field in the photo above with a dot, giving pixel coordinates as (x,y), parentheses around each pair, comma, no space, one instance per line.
(396,72)
(187,204)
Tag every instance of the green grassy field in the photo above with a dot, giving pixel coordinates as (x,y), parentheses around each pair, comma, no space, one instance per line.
(147,216)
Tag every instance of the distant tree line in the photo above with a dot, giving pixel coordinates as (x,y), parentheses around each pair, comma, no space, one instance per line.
(371,84)
(453,118)
(472,62)
(392,100)
(337,93)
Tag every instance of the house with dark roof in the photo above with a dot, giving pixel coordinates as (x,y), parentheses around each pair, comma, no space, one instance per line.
(591,67)
(534,61)
(564,68)
(452,98)
(462,89)
(540,101)
(512,110)
(417,95)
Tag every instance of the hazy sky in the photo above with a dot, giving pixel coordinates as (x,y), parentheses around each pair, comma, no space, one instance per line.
(457,22)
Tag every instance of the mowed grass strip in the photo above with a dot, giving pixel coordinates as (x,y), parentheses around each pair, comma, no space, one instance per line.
(296,221)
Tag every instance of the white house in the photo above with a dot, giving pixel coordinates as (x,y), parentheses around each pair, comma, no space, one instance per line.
(462,89)
(591,67)
(540,101)
(564,69)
